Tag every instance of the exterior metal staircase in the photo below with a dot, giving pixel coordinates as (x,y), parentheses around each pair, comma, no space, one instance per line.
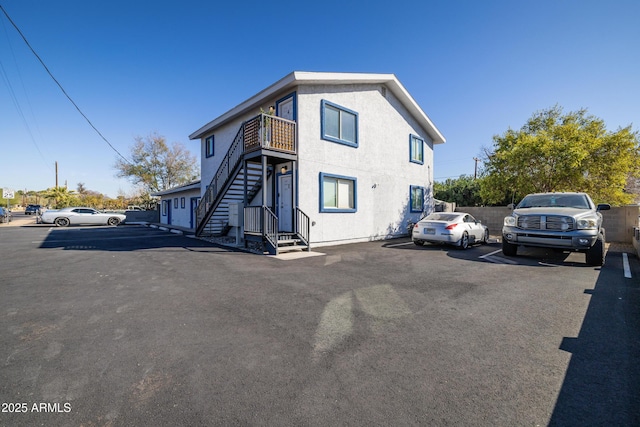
(267,138)
(218,223)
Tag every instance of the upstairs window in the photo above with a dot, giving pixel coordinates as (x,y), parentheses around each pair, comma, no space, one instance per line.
(209,146)
(337,193)
(339,124)
(416,149)
(416,198)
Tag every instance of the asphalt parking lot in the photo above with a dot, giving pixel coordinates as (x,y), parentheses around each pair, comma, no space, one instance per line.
(131,325)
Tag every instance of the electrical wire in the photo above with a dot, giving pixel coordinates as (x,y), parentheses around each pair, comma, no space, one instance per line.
(16,103)
(60,86)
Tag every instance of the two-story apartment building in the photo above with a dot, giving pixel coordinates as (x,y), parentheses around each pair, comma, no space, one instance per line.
(318,159)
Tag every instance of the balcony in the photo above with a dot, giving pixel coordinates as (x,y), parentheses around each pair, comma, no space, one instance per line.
(272,133)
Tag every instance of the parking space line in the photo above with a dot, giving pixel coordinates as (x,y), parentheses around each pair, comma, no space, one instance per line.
(399,244)
(497,260)
(490,253)
(625,264)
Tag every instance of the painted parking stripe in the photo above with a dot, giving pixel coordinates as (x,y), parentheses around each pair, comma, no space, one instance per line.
(490,253)
(625,264)
(497,260)
(399,244)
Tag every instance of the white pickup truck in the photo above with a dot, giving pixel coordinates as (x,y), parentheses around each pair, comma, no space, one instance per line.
(566,221)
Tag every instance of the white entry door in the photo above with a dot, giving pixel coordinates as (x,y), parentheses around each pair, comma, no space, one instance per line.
(285,202)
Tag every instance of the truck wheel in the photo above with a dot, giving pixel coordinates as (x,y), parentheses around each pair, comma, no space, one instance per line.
(509,249)
(595,255)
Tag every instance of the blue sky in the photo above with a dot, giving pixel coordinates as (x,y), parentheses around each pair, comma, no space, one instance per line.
(475,67)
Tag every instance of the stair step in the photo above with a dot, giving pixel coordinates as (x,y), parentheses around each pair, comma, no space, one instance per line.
(288,241)
(282,249)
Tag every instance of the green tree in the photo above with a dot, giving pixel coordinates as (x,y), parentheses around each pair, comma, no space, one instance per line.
(562,152)
(61,197)
(156,166)
(464,191)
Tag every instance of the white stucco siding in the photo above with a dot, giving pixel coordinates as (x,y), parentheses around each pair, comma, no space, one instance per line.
(223,138)
(380,163)
(180,214)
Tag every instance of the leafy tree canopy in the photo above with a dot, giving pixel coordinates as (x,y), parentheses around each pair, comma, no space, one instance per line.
(156,166)
(562,152)
(463,191)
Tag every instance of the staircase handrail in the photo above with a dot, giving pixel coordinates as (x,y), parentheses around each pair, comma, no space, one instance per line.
(270,230)
(230,161)
(303,227)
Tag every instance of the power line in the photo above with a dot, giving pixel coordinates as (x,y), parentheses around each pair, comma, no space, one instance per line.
(60,86)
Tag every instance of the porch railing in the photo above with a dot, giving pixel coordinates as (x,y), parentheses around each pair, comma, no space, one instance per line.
(272,132)
(261,221)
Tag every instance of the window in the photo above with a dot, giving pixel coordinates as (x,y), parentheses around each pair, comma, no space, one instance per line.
(182,202)
(209,146)
(165,204)
(337,193)
(175,203)
(416,149)
(417,198)
(339,124)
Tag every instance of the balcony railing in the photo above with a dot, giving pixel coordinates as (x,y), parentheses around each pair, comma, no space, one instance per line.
(270,132)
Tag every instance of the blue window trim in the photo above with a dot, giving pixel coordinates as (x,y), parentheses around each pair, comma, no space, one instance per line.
(323,104)
(411,153)
(295,105)
(182,202)
(355,193)
(209,153)
(411,208)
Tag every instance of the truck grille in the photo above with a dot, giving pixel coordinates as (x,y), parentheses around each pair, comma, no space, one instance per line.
(545,222)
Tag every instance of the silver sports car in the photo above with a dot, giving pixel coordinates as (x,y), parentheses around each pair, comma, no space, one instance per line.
(455,228)
(74,216)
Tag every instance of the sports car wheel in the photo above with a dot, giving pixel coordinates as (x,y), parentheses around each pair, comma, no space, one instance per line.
(485,238)
(113,221)
(62,222)
(464,241)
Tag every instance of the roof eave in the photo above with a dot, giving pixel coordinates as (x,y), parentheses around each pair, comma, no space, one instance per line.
(305,77)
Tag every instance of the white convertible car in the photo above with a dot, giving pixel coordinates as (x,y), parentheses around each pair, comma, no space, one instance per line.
(77,216)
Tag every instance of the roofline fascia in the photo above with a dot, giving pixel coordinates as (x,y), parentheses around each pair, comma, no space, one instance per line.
(305,77)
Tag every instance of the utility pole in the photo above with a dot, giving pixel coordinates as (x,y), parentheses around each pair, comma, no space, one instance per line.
(475,173)
(56,189)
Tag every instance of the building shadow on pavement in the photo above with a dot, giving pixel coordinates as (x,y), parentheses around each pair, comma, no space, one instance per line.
(602,382)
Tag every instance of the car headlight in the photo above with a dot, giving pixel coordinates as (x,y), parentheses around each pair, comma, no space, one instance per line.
(587,224)
(510,221)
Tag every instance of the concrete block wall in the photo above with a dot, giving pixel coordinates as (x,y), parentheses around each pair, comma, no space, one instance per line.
(636,237)
(618,222)
(492,217)
(143,216)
